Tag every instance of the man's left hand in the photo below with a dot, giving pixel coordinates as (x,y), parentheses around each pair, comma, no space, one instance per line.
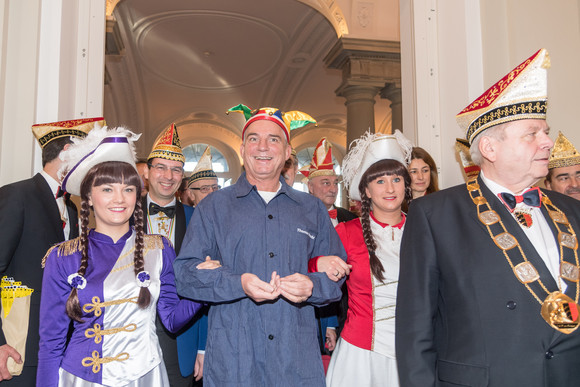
(330,339)
(198,367)
(296,287)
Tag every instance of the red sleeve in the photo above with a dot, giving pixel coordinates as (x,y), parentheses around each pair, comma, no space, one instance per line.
(313,264)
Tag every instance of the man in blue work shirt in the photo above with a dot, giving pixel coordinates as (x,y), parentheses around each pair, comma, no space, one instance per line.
(262,330)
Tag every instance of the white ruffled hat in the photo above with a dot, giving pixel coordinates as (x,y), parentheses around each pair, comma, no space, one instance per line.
(100,145)
(369,149)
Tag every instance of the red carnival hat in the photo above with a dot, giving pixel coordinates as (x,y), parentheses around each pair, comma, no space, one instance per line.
(45,133)
(522,94)
(168,146)
(321,164)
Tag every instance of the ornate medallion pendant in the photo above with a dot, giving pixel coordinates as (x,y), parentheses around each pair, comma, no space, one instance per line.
(561,312)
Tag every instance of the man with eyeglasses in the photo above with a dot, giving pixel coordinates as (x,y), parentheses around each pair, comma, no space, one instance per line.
(203,179)
(166,215)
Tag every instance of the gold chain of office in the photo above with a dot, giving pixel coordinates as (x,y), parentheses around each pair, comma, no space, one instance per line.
(559,310)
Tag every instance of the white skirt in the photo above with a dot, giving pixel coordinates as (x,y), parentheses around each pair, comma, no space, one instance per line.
(157,377)
(353,366)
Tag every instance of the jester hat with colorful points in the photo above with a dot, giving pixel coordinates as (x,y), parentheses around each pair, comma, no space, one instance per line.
(286,121)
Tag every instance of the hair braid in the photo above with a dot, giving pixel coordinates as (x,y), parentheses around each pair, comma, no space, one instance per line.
(73,306)
(139,262)
(376,265)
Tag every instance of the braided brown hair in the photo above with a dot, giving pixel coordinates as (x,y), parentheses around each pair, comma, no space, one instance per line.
(109,172)
(73,307)
(139,263)
(384,167)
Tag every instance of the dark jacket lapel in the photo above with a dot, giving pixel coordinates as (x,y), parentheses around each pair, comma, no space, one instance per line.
(73,217)
(50,207)
(180,225)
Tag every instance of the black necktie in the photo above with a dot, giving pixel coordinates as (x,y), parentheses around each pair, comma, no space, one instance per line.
(531,197)
(62,193)
(154,209)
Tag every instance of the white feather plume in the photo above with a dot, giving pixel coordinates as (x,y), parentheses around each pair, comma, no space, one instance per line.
(405,144)
(83,146)
(352,161)
(351,165)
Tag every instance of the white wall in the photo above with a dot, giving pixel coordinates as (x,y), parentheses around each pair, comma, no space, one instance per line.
(18,66)
(441,64)
(51,69)
(526,26)
(453,50)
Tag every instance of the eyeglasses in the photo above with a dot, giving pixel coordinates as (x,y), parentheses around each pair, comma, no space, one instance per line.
(161,169)
(206,188)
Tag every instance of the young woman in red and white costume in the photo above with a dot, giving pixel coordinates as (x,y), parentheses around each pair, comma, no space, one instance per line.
(375,171)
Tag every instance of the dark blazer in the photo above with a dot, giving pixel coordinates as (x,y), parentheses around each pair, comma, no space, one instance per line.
(344,215)
(29,225)
(180,350)
(463,318)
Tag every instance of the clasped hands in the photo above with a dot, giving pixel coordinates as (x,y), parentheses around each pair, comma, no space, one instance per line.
(295,287)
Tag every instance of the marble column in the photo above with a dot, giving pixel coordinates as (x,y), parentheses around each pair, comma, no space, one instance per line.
(392,92)
(367,66)
(360,110)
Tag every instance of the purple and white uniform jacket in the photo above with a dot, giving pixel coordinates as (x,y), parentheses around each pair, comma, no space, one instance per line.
(116,343)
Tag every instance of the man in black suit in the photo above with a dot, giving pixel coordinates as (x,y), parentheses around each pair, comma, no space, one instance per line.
(323,183)
(488,283)
(167,216)
(34,215)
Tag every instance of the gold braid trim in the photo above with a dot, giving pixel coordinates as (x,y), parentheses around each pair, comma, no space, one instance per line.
(121,258)
(64,248)
(74,245)
(69,247)
(95,361)
(387,283)
(43,262)
(152,242)
(96,305)
(98,333)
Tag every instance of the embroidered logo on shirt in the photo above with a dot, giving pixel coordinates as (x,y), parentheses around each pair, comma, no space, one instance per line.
(305,232)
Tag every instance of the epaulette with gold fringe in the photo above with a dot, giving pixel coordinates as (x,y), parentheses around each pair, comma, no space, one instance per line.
(64,248)
(151,242)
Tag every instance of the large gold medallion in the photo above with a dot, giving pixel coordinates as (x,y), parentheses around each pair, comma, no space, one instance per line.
(561,312)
